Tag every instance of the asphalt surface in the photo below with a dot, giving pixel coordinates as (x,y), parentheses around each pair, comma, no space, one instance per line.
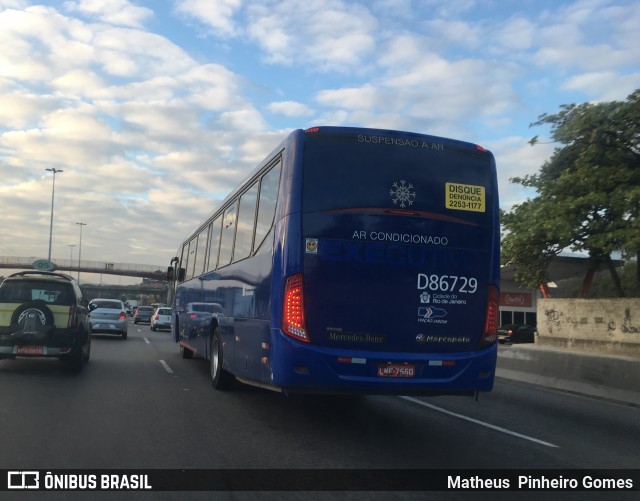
(138,405)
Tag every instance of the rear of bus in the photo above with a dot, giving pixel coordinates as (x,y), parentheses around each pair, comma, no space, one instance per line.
(397,279)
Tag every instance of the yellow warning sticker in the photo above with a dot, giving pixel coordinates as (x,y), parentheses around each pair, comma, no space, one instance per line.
(465,197)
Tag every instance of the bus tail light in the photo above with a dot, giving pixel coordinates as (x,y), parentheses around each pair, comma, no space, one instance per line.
(490,334)
(293,322)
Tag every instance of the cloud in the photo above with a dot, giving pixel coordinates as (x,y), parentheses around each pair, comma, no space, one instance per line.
(607,85)
(573,36)
(354,98)
(22,110)
(290,109)
(325,35)
(117,12)
(515,157)
(516,34)
(218,14)
(132,119)
(430,93)
(212,87)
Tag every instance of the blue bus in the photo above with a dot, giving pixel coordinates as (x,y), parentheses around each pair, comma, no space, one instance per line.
(350,260)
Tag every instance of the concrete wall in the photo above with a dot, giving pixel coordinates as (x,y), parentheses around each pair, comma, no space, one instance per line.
(607,326)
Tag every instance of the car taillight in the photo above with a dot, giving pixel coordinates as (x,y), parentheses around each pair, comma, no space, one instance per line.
(122,316)
(293,322)
(490,334)
(193,316)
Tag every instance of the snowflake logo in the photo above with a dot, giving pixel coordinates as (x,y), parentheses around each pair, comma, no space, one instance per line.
(402,193)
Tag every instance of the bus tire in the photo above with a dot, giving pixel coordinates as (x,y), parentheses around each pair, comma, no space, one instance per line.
(220,378)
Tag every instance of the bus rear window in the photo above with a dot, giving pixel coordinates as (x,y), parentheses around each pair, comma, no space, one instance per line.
(407,174)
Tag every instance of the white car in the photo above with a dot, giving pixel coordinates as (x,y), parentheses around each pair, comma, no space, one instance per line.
(161,319)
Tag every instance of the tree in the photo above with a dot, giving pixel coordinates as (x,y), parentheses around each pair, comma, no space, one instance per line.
(588,192)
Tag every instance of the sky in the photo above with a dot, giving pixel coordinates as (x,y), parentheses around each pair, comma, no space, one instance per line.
(156,109)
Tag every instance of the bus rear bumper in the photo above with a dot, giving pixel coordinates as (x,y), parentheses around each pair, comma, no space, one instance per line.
(308,368)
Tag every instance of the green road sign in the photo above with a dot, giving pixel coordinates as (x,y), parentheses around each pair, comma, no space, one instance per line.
(43,265)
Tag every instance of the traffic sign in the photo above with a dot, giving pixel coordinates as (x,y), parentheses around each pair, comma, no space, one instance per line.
(43,265)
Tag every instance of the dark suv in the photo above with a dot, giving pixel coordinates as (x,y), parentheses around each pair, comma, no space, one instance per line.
(44,314)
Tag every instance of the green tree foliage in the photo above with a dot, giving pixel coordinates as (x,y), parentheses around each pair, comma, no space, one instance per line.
(588,192)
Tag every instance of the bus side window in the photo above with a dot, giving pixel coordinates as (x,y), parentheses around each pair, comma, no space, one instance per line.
(191,260)
(267,204)
(246,222)
(185,260)
(214,244)
(179,265)
(201,252)
(228,234)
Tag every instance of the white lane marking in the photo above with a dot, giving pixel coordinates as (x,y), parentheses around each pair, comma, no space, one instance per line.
(166,366)
(476,421)
(146,340)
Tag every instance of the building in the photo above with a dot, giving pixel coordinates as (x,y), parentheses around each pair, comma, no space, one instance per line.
(518,305)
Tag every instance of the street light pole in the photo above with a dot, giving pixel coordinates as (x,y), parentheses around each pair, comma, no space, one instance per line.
(71,246)
(53,192)
(80,249)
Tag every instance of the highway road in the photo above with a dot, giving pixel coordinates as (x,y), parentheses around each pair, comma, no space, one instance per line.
(137,404)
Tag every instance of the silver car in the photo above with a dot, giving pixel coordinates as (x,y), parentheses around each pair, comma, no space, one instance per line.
(108,315)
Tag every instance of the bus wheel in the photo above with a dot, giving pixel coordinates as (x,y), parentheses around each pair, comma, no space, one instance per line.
(220,379)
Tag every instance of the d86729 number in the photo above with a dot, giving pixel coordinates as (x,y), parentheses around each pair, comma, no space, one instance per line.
(447,283)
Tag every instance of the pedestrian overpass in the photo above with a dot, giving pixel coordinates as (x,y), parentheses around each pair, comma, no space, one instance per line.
(149,271)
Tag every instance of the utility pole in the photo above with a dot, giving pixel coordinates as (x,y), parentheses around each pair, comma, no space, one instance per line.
(80,250)
(71,246)
(53,192)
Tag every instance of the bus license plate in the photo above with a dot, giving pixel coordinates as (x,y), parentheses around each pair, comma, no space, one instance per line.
(30,350)
(397,370)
